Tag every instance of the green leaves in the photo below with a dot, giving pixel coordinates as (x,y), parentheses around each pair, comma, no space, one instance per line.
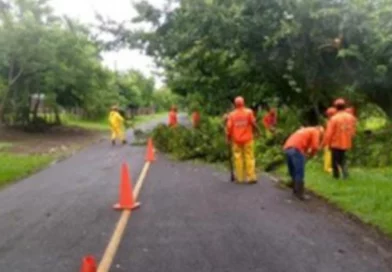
(40,53)
(306,52)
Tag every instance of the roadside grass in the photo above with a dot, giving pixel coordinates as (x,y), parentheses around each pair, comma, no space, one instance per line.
(4,145)
(17,166)
(102,124)
(71,120)
(366,194)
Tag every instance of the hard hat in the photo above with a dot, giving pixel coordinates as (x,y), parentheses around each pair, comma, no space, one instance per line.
(339,102)
(350,110)
(330,111)
(115,107)
(239,102)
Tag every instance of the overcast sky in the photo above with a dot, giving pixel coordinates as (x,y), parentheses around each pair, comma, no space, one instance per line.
(119,10)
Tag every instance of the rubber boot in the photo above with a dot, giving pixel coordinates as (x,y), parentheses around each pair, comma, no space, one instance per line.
(294,187)
(299,190)
(252,182)
(113,142)
(124,142)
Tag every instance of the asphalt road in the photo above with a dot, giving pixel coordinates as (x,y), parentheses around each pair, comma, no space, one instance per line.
(191,219)
(52,219)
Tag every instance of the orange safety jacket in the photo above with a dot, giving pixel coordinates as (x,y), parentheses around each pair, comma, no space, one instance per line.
(341,129)
(173,119)
(240,124)
(304,139)
(195,118)
(269,119)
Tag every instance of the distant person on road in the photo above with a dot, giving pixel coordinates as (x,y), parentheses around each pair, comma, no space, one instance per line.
(304,142)
(173,119)
(327,153)
(340,132)
(239,130)
(116,122)
(195,118)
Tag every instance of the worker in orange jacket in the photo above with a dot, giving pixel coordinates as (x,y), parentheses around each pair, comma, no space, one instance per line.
(338,138)
(195,118)
(173,120)
(327,153)
(269,121)
(306,141)
(239,130)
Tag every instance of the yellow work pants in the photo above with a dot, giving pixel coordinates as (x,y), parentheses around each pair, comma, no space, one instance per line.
(117,133)
(244,156)
(327,160)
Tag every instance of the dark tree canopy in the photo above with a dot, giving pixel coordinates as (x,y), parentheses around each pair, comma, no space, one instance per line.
(301,53)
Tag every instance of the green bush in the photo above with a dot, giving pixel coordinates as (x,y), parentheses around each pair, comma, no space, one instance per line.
(372,149)
(208,143)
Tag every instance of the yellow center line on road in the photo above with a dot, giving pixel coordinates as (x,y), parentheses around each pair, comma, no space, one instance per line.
(111,249)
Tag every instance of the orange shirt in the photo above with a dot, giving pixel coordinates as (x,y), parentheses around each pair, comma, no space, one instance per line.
(269,120)
(195,118)
(240,125)
(341,129)
(173,119)
(304,139)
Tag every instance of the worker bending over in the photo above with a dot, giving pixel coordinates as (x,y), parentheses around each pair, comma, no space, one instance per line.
(239,129)
(173,120)
(338,138)
(327,153)
(304,142)
(116,122)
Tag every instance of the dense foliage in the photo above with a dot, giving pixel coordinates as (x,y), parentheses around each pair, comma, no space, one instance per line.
(301,53)
(59,59)
(207,143)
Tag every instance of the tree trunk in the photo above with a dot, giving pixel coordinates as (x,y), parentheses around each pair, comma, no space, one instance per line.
(2,105)
(11,80)
(57,116)
(35,109)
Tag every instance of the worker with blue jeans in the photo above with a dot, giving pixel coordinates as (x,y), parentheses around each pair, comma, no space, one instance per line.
(295,164)
(302,142)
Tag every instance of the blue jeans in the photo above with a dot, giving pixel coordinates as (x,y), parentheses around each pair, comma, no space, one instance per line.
(295,164)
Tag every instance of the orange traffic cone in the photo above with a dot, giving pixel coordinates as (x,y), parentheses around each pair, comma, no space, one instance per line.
(150,156)
(126,201)
(88,264)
